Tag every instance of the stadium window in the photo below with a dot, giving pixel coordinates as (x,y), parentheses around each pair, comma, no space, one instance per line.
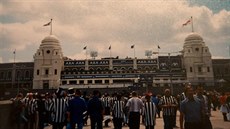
(191,69)
(199,69)
(46,71)
(55,71)
(37,72)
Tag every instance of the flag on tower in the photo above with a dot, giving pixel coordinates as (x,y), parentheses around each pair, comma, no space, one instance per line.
(110,47)
(84,47)
(47,24)
(14,52)
(132,46)
(187,22)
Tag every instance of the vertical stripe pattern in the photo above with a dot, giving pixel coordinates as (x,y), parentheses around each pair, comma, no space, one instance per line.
(58,108)
(168,111)
(149,113)
(118,109)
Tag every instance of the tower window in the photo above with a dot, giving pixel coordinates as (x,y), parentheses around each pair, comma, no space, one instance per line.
(191,69)
(206,50)
(188,50)
(208,69)
(47,71)
(199,69)
(197,49)
(37,72)
(48,51)
(55,71)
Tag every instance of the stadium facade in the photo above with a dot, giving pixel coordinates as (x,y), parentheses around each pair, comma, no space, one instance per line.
(51,69)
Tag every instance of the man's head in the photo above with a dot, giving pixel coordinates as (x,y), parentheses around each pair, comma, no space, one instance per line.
(134,94)
(199,90)
(78,92)
(167,92)
(189,92)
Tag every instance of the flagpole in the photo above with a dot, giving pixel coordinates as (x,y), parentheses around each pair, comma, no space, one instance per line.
(110,52)
(158,57)
(134,52)
(14,55)
(86,53)
(51,27)
(192,24)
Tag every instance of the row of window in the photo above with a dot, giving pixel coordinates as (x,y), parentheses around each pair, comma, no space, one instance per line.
(200,69)
(197,50)
(115,68)
(19,74)
(47,72)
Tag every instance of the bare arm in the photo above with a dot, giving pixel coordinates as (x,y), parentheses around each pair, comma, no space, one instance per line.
(181,120)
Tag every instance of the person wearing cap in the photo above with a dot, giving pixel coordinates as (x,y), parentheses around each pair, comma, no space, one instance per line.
(134,105)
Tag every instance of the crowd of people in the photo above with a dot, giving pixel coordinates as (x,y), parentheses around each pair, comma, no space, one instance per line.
(72,109)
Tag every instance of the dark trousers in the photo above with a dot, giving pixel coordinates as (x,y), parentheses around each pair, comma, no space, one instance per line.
(149,127)
(96,123)
(107,110)
(207,123)
(134,120)
(117,123)
(58,125)
(192,125)
(168,121)
(225,116)
(174,121)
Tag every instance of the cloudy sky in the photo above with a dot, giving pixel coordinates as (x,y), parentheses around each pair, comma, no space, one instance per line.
(98,24)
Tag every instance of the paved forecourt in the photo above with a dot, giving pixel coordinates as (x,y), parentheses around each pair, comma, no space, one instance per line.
(216,119)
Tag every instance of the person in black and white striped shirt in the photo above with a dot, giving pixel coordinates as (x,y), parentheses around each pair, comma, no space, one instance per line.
(168,104)
(118,113)
(107,103)
(31,107)
(58,108)
(149,113)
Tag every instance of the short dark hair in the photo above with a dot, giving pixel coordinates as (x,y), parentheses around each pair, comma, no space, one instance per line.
(78,92)
(96,92)
(134,93)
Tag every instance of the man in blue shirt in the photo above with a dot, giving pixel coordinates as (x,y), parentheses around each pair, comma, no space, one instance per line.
(191,111)
(76,108)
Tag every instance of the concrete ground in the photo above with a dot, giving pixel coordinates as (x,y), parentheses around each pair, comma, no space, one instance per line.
(216,119)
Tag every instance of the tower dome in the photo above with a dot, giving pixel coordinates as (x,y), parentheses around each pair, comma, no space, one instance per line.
(50,41)
(193,37)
